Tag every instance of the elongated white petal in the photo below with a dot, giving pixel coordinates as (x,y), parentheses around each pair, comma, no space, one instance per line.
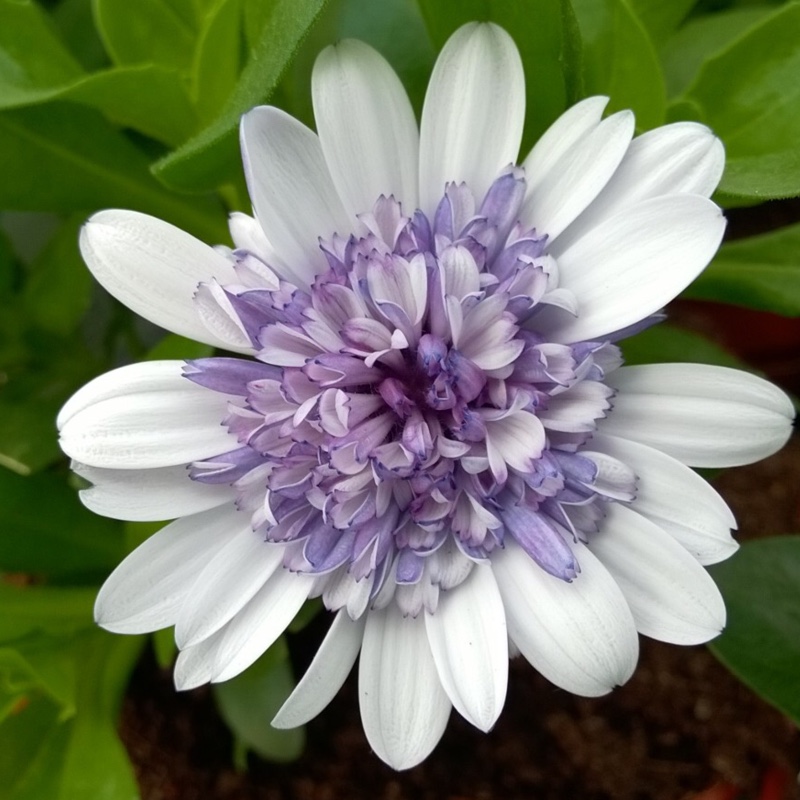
(148,495)
(195,665)
(291,189)
(558,140)
(469,642)
(144,416)
(404,708)
(256,627)
(702,415)
(676,499)
(146,591)
(684,157)
(154,268)
(328,671)
(579,635)
(366,126)
(473,114)
(634,264)
(227,583)
(578,177)
(672,597)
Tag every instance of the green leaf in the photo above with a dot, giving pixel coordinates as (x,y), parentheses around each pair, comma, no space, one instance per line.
(619,60)
(761,643)
(177,347)
(248,703)
(28,440)
(164,647)
(664,344)
(212,157)
(61,157)
(45,530)
(545,38)
(144,32)
(762,272)
(702,38)
(659,18)
(75,23)
(44,609)
(749,94)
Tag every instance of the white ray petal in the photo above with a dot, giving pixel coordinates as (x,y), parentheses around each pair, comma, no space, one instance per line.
(146,591)
(256,627)
(473,114)
(154,268)
(633,265)
(676,499)
(195,665)
(578,177)
(366,127)
(672,597)
(579,635)
(469,642)
(704,416)
(144,416)
(148,495)
(227,583)
(327,673)
(684,157)
(404,708)
(291,188)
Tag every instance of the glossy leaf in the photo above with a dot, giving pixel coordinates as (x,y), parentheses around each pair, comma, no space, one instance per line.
(749,94)
(212,156)
(248,703)
(620,61)
(761,272)
(546,41)
(660,18)
(761,643)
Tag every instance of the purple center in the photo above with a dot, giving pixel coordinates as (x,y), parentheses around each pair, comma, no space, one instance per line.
(405,415)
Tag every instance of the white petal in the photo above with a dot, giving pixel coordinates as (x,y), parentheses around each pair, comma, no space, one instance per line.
(217,313)
(146,591)
(256,627)
(148,495)
(144,416)
(291,189)
(227,583)
(572,183)
(634,264)
(366,126)
(195,665)
(154,269)
(473,114)
(702,415)
(404,708)
(326,674)
(684,157)
(579,635)
(676,499)
(565,133)
(469,642)
(672,597)
(247,234)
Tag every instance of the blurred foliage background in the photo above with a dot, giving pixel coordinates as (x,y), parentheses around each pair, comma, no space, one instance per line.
(112,103)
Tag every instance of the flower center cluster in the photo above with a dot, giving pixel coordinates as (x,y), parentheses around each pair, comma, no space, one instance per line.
(405,415)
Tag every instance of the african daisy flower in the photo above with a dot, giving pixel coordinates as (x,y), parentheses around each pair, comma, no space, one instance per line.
(429,427)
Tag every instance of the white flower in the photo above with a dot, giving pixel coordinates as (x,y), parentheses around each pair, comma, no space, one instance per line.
(435,434)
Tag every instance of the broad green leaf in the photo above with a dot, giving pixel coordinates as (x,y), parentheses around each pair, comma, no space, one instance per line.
(761,642)
(700,39)
(749,94)
(761,272)
(619,60)
(144,32)
(44,529)
(661,18)
(249,701)
(217,59)
(544,36)
(31,55)
(212,157)
(61,157)
(28,441)
(75,23)
(44,609)
(177,347)
(667,344)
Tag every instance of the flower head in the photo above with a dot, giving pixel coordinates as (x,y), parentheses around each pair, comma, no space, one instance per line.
(432,430)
